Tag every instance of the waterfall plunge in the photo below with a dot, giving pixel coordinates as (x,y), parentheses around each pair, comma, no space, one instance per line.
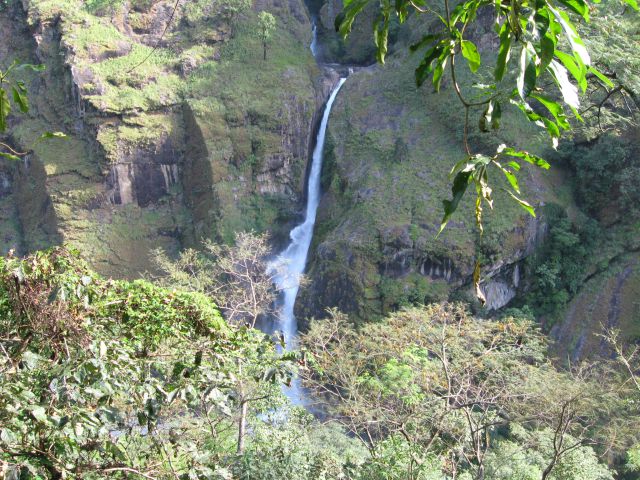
(289,265)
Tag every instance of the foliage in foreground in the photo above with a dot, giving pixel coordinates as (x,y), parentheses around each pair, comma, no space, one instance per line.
(115,379)
(104,379)
(538,45)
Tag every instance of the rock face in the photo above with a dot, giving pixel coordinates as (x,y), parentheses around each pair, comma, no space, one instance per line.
(359,49)
(172,136)
(387,152)
(609,298)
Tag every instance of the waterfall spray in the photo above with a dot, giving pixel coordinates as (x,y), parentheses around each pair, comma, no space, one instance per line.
(289,265)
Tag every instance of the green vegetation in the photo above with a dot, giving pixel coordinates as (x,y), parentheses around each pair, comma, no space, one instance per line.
(115,379)
(536,35)
(168,379)
(560,264)
(436,393)
(267,25)
(125,97)
(97,373)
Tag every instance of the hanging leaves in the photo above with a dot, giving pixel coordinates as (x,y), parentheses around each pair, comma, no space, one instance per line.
(15,91)
(5,109)
(530,32)
(470,52)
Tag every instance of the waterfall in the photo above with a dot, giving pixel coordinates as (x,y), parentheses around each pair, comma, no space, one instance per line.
(314,39)
(289,265)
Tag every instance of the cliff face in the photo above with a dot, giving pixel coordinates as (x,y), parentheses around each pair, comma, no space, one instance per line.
(389,148)
(358,49)
(172,136)
(608,299)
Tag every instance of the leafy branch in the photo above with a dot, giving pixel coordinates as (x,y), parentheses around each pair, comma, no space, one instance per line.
(17,91)
(530,34)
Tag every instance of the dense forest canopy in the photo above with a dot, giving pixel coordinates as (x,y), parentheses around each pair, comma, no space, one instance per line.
(165,144)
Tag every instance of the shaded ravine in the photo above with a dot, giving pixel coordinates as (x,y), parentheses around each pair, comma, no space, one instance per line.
(289,265)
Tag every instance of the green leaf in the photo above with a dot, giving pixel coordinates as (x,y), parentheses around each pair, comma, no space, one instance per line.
(524,204)
(460,184)
(567,89)
(438,72)
(601,77)
(497,115)
(402,10)
(39,414)
(470,52)
(441,64)
(5,109)
(552,130)
(20,99)
(513,181)
(515,165)
(491,117)
(425,68)
(30,66)
(555,109)
(542,22)
(578,6)
(9,156)
(344,20)
(381,35)
(476,284)
(632,3)
(527,76)
(547,50)
(526,156)
(577,46)
(7,436)
(503,53)
(576,71)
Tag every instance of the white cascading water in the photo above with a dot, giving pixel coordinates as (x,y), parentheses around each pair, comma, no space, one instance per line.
(314,39)
(289,265)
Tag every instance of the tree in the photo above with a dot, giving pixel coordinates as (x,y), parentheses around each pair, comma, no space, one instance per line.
(628,356)
(267,26)
(232,9)
(238,280)
(114,379)
(450,385)
(524,455)
(235,277)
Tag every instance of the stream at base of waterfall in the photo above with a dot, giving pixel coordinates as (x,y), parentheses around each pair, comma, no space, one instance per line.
(288,267)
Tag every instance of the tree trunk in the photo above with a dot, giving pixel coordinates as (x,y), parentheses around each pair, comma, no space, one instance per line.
(242,425)
(264,49)
(547,471)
